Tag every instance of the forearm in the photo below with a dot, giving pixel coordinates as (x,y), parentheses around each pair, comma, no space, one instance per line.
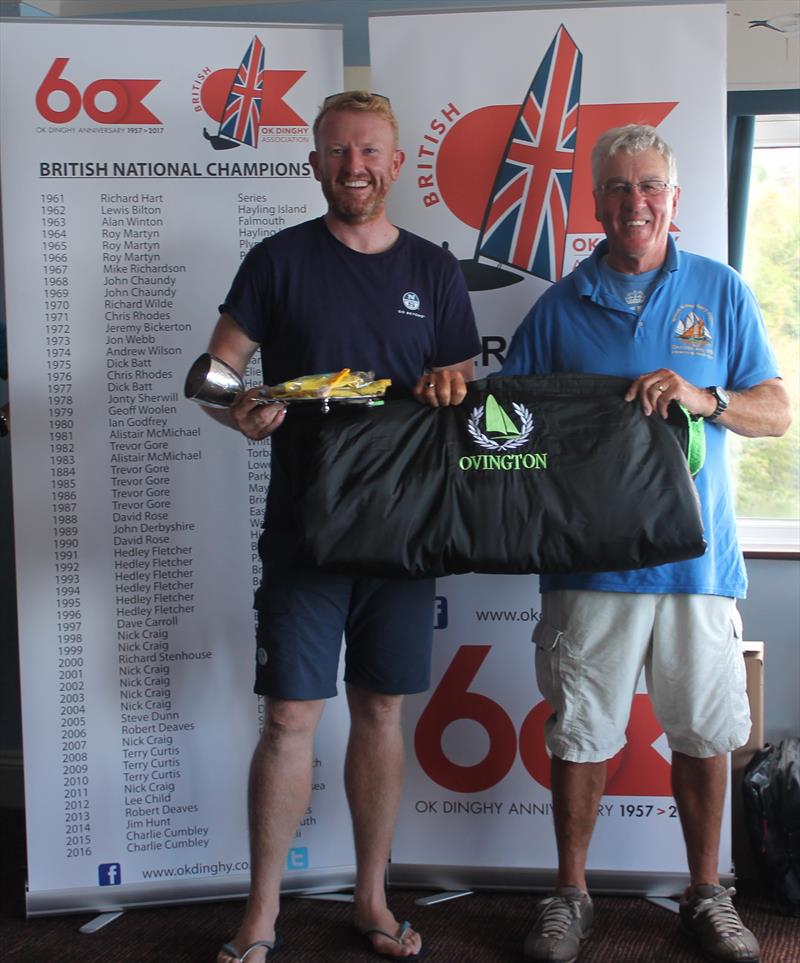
(249,416)
(764,410)
(222,416)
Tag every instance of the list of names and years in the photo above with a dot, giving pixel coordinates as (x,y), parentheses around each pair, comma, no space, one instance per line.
(138,516)
(154,571)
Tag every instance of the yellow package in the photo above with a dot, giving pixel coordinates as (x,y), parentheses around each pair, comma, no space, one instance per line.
(337,384)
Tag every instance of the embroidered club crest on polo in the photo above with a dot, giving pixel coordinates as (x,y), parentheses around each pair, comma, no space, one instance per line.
(692,331)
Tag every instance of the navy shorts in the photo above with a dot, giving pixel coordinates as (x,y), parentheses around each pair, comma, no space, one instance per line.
(302,615)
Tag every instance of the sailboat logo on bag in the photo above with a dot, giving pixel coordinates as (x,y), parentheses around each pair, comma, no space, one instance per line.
(500,433)
(492,428)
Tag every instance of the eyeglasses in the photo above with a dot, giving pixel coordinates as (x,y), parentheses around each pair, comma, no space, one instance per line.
(359,95)
(648,188)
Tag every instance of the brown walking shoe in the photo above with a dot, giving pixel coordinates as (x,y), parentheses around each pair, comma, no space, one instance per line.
(708,913)
(563,920)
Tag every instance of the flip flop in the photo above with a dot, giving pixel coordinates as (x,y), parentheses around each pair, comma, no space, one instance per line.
(403,929)
(272,947)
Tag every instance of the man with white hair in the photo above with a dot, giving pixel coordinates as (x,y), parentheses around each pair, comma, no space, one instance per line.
(638,304)
(694,329)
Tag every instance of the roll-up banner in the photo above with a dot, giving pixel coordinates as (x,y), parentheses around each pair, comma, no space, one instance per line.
(498,117)
(140,162)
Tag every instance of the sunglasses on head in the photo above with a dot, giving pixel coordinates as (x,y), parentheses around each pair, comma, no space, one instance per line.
(356,95)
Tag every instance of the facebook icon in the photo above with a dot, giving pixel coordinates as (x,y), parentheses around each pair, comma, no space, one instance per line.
(440,612)
(109,874)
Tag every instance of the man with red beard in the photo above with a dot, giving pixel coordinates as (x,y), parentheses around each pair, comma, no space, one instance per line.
(351,290)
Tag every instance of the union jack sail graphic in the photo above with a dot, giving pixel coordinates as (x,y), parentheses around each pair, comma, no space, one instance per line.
(525,225)
(242,115)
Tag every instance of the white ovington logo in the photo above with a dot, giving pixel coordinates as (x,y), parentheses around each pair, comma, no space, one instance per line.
(507,437)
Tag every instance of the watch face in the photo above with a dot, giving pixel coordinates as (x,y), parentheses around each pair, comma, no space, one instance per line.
(722,396)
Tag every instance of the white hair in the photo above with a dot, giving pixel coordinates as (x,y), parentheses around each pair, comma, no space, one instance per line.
(632,139)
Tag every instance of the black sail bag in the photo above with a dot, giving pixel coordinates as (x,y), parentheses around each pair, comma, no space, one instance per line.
(553,473)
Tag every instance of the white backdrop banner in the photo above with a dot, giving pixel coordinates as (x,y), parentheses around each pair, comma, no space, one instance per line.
(498,118)
(140,162)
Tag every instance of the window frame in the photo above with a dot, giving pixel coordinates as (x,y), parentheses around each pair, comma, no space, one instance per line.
(759,537)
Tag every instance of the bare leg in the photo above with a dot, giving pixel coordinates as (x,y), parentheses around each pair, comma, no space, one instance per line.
(577,790)
(373,778)
(699,789)
(279,787)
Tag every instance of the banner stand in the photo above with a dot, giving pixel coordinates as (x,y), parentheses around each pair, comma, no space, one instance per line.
(501,175)
(136,174)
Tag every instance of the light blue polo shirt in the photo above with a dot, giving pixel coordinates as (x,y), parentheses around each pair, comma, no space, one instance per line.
(700,320)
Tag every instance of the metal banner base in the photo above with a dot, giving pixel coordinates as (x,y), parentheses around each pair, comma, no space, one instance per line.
(99,922)
(455,880)
(444,897)
(205,890)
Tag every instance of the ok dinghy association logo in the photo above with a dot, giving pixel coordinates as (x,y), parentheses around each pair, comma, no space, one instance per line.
(248,102)
(492,428)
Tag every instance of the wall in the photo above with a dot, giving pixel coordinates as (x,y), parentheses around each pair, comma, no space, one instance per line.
(771,613)
(758,57)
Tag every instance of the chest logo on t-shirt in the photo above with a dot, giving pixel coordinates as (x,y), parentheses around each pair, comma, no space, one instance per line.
(692,326)
(411,305)
(635,298)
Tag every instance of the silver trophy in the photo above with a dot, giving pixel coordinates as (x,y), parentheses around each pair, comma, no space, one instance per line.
(214,383)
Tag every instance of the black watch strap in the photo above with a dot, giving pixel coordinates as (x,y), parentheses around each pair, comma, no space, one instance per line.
(721,397)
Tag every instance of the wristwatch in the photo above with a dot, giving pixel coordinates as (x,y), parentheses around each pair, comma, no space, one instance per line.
(722,398)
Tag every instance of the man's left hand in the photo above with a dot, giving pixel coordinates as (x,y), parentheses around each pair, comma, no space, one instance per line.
(656,389)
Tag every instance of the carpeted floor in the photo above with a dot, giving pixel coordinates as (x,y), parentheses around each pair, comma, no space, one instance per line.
(483,928)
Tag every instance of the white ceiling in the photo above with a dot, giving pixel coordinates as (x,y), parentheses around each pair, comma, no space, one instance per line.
(99,8)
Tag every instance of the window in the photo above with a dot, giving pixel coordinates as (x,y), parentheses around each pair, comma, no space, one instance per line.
(767,470)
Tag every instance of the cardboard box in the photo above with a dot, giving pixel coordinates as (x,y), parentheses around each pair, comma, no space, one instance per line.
(744,859)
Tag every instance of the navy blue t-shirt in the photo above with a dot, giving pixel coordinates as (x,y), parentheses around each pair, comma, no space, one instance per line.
(315,305)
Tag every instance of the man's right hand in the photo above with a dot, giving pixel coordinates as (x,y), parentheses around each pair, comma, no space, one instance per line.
(443,386)
(257,421)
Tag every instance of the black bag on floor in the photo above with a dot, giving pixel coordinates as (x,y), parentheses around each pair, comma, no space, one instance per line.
(771,797)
